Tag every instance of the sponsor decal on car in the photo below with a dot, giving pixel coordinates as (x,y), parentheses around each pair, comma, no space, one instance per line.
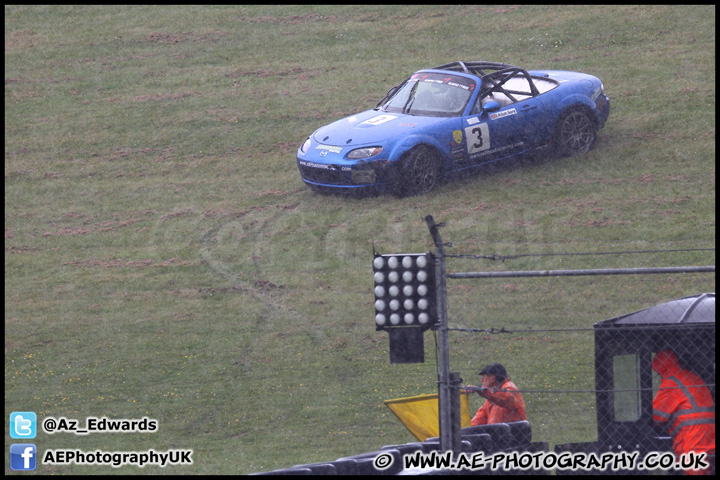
(478,138)
(458,136)
(460,85)
(379,120)
(457,152)
(497,150)
(323,166)
(505,113)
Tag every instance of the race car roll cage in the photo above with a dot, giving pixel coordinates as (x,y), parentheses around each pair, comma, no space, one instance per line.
(492,81)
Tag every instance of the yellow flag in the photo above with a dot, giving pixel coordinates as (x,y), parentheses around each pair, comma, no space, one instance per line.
(420,414)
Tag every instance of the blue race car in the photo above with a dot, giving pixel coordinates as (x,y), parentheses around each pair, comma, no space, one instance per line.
(453,118)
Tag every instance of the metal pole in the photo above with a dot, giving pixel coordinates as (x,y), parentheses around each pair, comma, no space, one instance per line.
(456,420)
(447,434)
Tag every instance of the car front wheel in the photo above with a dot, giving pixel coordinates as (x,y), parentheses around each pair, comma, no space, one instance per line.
(575,133)
(420,172)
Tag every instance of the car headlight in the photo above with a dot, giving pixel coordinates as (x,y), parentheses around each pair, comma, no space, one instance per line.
(364,152)
(305,146)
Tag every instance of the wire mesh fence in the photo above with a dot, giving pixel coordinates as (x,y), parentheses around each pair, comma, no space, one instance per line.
(583,359)
(580,349)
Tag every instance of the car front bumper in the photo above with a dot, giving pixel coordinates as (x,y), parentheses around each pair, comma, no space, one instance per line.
(330,176)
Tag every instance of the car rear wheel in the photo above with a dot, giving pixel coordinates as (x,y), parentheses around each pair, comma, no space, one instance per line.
(420,172)
(575,133)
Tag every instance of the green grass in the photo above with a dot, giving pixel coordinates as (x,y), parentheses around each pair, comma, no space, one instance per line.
(163,258)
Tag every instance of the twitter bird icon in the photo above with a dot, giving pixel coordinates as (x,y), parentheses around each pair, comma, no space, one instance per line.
(23,425)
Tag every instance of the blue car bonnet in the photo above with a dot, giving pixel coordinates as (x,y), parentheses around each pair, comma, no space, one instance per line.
(371,127)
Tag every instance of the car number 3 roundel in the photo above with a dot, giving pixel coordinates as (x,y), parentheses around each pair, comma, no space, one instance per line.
(478,138)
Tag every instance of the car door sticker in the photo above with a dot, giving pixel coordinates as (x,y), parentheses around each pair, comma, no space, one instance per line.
(504,113)
(478,138)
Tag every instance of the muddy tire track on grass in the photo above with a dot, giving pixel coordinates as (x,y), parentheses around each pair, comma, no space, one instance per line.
(240,249)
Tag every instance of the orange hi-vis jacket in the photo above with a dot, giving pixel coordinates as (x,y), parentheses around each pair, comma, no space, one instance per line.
(502,405)
(688,411)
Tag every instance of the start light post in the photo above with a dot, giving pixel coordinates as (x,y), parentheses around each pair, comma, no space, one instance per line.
(448,382)
(410,297)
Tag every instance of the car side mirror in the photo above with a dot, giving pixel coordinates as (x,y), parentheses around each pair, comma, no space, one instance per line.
(492,106)
(390,93)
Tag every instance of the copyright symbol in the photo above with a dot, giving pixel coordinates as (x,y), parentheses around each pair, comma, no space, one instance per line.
(49,425)
(383,461)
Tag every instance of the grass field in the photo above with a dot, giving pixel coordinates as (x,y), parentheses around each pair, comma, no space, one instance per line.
(163,258)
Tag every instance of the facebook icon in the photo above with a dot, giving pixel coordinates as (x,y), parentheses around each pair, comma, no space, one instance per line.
(23,456)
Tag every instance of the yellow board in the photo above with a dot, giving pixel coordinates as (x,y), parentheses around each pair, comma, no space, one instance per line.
(420,414)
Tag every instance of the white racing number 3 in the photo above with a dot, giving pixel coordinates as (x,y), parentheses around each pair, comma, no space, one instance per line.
(478,138)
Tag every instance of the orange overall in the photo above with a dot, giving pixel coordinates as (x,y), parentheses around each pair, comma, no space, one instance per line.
(502,405)
(685,405)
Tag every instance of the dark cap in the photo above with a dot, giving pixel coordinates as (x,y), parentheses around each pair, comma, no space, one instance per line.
(495,369)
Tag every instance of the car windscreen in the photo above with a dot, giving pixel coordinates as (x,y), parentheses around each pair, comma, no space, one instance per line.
(431,94)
